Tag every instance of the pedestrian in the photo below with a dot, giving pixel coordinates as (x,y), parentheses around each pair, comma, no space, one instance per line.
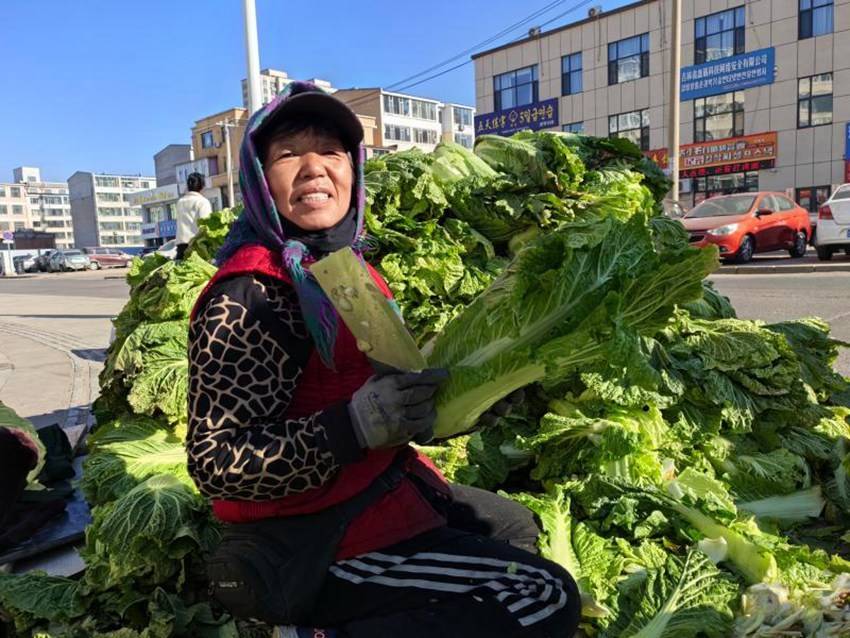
(190,208)
(333,522)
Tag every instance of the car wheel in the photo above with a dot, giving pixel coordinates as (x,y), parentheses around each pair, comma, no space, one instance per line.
(799,247)
(94,265)
(745,250)
(824,253)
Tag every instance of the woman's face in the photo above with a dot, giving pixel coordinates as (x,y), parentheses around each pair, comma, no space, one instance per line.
(310,176)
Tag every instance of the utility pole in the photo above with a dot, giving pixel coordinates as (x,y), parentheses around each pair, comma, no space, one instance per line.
(675,72)
(253,54)
(226,126)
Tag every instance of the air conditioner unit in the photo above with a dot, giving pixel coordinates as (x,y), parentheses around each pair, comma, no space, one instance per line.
(534,32)
(594,11)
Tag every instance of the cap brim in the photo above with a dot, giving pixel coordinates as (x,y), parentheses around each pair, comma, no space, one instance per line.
(314,103)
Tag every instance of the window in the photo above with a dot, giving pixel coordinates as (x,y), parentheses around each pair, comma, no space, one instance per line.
(53,200)
(705,187)
(104,181)
(814,100)
(424,110)
(571,74)
(396,105)
(399,133)
(573,127)
(14,192)
(133,226)
(20,225)
(111,226)
(3,209)
(462,116)
(815,18)
(463,140)
(146,185)
(207,140)
(813,197)
(719,116)
(633,126)
(515,88)
(108,197)
(54,223)
(109,212)
(2,191)
(719,35)
(424,136)
(17,210)
(628,59)
(129,183)
(34,201)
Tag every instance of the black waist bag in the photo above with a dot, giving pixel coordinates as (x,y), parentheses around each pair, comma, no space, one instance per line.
(273,569)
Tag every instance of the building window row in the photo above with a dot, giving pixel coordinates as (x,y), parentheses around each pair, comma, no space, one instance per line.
(814,100)
(462,116)
(108,197)
(633,125)
(424,136)
(719,35)
(573,127)
(628,59)
(515,88)
(397,133)
(423,110)
(464,140)
(571,74)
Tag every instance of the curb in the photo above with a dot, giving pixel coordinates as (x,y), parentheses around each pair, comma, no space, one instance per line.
(779,270)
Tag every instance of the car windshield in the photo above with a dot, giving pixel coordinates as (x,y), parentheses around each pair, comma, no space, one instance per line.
(722,206)
(842,193)
(72,252)
(168,245)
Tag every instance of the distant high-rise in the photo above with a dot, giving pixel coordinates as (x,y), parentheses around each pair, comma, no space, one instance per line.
(273,82)
(101,209)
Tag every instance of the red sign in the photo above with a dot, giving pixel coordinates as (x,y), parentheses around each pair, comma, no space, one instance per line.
(718,157)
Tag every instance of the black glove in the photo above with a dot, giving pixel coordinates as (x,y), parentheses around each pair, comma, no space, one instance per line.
(396,407)
(501,408)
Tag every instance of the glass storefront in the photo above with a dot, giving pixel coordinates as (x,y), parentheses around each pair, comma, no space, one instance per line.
(711,185)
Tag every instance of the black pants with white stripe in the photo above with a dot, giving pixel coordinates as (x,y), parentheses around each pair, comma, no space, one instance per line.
(479,576)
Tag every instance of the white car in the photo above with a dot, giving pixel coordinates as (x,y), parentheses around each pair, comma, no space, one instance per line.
(833,232)
(168,249)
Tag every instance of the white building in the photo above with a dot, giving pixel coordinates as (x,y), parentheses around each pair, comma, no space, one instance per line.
(14,209)
(49,205)
(273,82)
(406,121)
(101,209)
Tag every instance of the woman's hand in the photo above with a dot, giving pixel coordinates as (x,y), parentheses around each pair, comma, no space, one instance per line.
(396,407)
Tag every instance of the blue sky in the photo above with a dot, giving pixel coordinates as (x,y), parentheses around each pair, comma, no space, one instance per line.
(103,85)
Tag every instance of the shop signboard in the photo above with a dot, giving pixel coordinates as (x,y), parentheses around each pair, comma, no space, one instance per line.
(168,228)
(534,116)
(719,157)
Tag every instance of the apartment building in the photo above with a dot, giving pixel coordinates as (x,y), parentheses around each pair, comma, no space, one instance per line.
(14,209)
(48,204)
(405,121)
(273,81)
(101,208)
(765,90)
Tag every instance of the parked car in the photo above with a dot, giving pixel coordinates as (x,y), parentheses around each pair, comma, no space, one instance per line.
(42,261)
(24,263)
(168,249)
(68,260)
(834,224)
(108,257)
(747,223)
(147,250)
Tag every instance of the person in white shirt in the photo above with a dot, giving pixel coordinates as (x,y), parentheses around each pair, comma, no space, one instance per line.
(190,208)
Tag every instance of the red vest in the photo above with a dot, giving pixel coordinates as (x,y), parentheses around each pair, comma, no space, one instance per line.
(398,515)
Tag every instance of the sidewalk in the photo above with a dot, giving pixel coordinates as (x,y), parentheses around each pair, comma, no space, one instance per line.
(51,352)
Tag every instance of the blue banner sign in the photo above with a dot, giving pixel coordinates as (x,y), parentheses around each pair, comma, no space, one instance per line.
(168,228)
(729,74)
(534,116)
(847,141)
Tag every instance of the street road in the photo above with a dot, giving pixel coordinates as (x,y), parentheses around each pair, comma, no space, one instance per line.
(791,296)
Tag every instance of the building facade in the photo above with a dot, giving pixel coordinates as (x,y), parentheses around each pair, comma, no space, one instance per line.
(405,121)
(273,82)
(102,211)
(209,145)
(765,90)
(49,206)
(14,208)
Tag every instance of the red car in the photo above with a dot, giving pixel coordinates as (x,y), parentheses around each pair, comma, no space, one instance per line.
(108,257)
(747,223)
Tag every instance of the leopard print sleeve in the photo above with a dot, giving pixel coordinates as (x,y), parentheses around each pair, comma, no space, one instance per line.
(247,349)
